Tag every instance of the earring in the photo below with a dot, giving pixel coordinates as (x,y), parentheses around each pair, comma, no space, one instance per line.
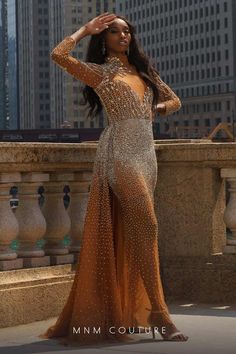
(127,51)
(103,48)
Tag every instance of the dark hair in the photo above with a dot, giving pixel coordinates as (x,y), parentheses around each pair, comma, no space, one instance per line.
(136,56)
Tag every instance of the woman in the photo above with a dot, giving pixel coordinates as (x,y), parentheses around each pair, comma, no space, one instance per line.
(117,286)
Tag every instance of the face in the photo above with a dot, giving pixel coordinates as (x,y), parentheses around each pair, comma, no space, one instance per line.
(117,37)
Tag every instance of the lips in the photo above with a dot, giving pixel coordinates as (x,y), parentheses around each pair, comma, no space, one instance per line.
(123,42)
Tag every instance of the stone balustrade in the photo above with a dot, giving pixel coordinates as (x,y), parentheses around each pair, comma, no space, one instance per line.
(189,200)
(32,235)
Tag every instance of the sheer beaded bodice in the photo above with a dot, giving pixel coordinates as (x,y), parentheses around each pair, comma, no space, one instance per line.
(121,99)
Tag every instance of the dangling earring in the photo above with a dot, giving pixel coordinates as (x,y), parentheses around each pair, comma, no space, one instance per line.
(103,48)
(127,51)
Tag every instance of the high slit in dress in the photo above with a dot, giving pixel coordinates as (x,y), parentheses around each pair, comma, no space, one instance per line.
(117,277)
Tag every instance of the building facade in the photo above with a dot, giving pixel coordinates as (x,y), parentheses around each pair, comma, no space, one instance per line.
(3,65)
(34,70)
(8,66)
(193,45)
(57,77)
(66,17)
(12,65)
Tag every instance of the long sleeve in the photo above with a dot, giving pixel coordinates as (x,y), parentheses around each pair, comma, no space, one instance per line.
(89,73)
(168,97)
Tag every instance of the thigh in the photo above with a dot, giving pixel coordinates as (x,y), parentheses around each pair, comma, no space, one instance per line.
(128,181)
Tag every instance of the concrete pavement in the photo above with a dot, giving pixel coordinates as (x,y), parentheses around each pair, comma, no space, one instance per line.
(211,329)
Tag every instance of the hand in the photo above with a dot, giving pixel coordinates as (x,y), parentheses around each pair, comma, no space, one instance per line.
(100,23)
(161,107)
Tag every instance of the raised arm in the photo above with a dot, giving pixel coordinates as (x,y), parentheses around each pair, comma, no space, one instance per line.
(167,97)
(89,73)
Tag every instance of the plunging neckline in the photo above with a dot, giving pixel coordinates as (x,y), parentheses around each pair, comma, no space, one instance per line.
(141,100)
(121,64)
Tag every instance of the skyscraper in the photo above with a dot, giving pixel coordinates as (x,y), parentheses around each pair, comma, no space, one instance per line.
(8,66)
(66,17)
(3,65)
(34,92)
(12,65)
(34,72)
(57,77)
(193,44)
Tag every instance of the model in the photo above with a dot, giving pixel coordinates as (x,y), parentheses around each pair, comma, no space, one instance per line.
(117,287)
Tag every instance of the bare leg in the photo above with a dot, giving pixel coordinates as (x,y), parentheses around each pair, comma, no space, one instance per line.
(142,245)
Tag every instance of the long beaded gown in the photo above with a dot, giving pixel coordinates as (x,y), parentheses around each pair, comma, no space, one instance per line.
(117,278)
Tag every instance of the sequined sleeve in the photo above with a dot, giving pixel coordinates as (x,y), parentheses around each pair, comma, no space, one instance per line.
(168,97)
(89,73)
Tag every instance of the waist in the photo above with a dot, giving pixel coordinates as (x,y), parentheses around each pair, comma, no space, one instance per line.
(136,120)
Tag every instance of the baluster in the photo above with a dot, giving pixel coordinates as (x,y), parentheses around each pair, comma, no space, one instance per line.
(79,189)
(32,224)
(9,227)
(57,218)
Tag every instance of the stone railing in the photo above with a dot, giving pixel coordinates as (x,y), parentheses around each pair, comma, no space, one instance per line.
(34,235)
(195,197)
(190,200)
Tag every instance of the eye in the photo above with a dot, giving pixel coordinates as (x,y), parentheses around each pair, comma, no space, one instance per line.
(112,30)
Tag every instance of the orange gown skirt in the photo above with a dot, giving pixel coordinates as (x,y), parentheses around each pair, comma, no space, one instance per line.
(117,277)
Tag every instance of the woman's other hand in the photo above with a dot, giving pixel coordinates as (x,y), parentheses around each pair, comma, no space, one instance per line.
(161,108)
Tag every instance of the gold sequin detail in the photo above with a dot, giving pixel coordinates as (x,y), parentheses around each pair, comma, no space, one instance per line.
(118,99)
(117,275)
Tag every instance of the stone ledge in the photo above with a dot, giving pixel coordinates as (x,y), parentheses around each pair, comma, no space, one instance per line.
(29,274)
(33,294)
(216,260)
(201,279)
(6,265)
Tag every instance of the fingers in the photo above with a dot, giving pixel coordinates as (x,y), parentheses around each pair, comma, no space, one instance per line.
(108,23)
(105,15)
(108,18)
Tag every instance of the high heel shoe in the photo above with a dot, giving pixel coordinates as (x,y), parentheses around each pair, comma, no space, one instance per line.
(170,337)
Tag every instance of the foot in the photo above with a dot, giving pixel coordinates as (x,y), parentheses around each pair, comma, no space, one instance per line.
(173,334)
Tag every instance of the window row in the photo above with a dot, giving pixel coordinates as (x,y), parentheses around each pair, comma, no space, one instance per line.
(183,31)
(44,96)
(43,32)
(206,107)
(204,90)
(44,64)
(41,22)
(44,42)
(178,19)
(44,107)
(43,11)
(196,122)
(178,4)
(194,60)
(197,75)
(43,74)
(188,44)
(44,85)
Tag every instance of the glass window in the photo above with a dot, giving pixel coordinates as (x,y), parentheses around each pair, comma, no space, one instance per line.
(207,122)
